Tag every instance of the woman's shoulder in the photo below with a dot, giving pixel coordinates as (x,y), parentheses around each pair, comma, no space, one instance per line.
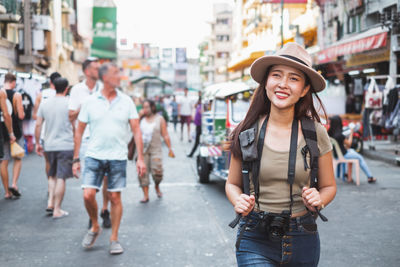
(324,143)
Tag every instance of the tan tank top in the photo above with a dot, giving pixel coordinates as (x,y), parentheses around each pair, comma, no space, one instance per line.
(274,188)
(156,142)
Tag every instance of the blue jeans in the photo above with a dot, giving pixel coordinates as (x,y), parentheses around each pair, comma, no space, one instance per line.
(299,247)
(95,170)
(352,154)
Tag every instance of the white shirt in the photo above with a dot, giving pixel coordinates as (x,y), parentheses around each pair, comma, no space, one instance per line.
(46,95)
(108,123)
(186,106)
(79,95)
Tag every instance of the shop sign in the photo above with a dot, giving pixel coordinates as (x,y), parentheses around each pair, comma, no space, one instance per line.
(285,1)
(357,46)
(368,58)
(104,43)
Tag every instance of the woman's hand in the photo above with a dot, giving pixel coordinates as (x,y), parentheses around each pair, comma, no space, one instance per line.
(311,198)
(244,204)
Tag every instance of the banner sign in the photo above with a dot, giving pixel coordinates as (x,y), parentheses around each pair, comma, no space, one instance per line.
(285,1)
(349,48)
(104,26)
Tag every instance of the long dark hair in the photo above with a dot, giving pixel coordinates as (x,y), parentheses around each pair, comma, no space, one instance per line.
(260,105)
(335,126)
(152,104)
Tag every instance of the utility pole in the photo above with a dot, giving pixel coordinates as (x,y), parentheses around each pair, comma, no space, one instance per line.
(282,23)
(27,58)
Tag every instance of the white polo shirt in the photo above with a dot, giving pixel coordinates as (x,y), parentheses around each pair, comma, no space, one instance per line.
(109,125)
(78,95)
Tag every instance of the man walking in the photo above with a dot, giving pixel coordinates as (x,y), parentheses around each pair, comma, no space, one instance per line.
(42,98)
(79,94)
(108,114)
(5,117)
(58,144)
(17,115)
(185,109)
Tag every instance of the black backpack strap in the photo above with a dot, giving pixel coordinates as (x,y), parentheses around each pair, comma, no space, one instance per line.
(310,136)
(256,164)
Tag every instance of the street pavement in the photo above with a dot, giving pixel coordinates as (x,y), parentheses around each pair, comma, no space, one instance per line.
(189,225)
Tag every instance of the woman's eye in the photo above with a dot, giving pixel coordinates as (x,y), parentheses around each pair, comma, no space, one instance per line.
(275,75)
(294,79)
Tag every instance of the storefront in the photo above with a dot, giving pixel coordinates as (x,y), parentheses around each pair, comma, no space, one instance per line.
(349,62)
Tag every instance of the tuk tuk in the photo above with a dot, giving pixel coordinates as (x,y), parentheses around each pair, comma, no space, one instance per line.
(224,106)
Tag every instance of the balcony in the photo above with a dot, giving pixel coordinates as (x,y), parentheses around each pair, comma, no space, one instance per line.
(10,10)
(67,38)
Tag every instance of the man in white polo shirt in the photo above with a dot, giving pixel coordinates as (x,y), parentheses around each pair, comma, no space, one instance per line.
(79,94)
(108,114)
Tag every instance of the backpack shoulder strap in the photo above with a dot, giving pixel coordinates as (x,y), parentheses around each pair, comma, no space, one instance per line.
(310,136)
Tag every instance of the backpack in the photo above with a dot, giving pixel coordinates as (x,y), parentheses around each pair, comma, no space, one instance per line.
(27,103)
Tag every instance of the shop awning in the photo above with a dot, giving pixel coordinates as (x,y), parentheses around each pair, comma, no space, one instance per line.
(372,39)
(245,61)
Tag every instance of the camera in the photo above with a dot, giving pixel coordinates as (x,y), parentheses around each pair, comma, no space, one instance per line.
(275,225)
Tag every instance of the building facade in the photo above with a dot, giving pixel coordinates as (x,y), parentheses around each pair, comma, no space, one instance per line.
(260,27)
(215,51)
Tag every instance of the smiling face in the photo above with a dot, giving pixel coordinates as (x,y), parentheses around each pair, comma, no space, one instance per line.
(285,86)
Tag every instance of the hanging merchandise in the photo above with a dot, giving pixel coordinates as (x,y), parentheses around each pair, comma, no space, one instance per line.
(358,88)
(373,97)
(388,86)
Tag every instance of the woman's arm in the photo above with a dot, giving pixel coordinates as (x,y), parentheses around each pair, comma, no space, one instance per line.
(243,204)
(348,141)
(326,184)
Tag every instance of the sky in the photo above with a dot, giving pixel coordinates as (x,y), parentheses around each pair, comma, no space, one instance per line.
(165,23)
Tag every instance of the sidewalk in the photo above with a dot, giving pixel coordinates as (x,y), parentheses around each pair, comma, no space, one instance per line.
(383,150)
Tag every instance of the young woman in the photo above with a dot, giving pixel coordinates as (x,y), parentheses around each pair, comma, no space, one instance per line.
(287,84)
(153,127)
(336,132)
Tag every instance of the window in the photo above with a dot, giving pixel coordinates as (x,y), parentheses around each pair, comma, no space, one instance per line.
(222,55)
(223,38)
(353,23)
(223,21)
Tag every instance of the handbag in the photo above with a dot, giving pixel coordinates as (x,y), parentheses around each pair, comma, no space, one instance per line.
(373,97)
(17,151)
(131,148)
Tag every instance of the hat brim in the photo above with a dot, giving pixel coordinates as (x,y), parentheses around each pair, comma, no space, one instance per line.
(260,66)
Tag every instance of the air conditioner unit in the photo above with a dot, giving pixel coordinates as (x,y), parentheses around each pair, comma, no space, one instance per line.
(42,22)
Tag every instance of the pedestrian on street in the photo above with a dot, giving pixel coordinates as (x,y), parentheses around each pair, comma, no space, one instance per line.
(197,123)
(153,127)
(16,109)
(277,203)
(174,113)
(336,132)
(78,95)
(58,144)
(6,119)
(108,113)
(185,110)
(42,98)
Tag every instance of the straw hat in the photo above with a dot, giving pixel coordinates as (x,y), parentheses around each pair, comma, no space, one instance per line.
(293,55)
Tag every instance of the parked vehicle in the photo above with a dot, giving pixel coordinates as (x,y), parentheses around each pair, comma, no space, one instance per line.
(225,105)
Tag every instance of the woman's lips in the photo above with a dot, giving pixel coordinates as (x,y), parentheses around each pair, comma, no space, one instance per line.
(281,95)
